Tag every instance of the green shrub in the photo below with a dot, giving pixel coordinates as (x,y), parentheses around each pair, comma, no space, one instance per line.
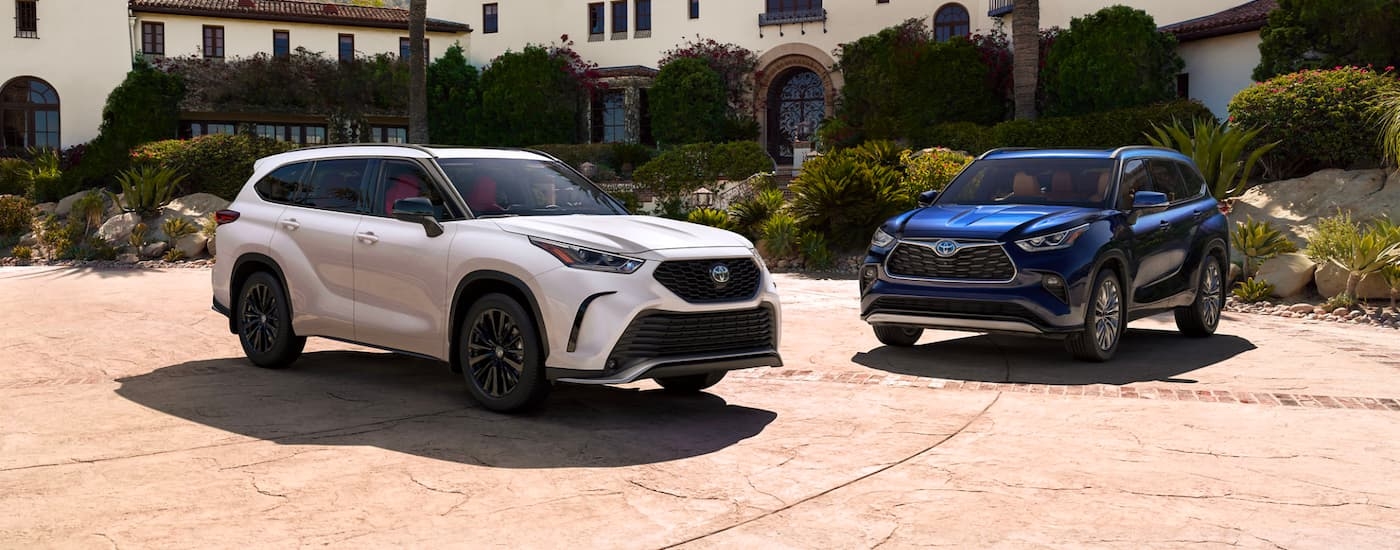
(1258,241)
(175,228)
(14,176)
(621,158)
(143,108)
(137,239)
(217,164)
(146,188)
(532,96)
(688,103)
(1111,59)
(846,198)
(815,251)
(969,137)
(930,169)
(750,214)
(89,209)
(681,170)
(1361,250)
(1321,119)
(16,215)
(454,91)
(1389,112)
(1117,128)
(1308,34)
(779,235)
(22,253)
(46,181)
(173,255)
(1218,150)
(711,217)
(1252,290)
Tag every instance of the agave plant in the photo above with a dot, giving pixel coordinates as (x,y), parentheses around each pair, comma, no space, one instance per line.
(779,234)
(711,217)
(1258,241)
(1218,150)
(749,215)
(1252,290)
(146,188)
(175,228)
(1364,255)
(815,251)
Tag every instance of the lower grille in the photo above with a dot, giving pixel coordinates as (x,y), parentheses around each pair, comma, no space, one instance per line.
(926,306)
(657,335)
(969,263)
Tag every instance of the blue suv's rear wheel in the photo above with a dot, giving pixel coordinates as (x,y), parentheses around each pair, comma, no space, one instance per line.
(1103,321)
(1201,318)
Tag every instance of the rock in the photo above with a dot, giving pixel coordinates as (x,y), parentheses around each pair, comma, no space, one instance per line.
(1332,280)
(1235,273)
(45,208)
(197,206)
(128,258)
(29,239)
(1294,206)
(1289,273)
(210,246)
(191,245)
(1301,308)
(65,206)
(153,250)
(1341,312)
(117,229)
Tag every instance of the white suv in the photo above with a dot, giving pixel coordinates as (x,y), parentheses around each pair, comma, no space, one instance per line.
(506,264)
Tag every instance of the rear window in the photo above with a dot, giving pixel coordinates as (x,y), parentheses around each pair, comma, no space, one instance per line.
(337,185)
(281,185)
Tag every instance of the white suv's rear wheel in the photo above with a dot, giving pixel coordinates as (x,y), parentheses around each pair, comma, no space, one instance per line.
(501,355)
(265,323)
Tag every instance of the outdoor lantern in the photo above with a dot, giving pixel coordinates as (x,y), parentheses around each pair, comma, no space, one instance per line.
(704,197)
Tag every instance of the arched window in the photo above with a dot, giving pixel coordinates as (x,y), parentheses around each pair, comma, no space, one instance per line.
(951,20)
(28,114)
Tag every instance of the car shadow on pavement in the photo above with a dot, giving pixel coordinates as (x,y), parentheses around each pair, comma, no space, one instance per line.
(1143,356)
(419,407)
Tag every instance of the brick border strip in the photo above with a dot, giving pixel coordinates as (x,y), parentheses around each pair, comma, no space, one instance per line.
(1267,399)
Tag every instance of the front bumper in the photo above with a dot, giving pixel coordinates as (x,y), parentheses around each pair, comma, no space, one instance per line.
(1021,306)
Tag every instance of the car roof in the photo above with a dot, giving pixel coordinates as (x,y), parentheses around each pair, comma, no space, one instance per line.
(398,150)
(1134,151)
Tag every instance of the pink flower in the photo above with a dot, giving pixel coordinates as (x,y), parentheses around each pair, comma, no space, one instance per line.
(1389,68)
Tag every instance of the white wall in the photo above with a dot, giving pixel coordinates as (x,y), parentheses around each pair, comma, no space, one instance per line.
(1220,67)
(81,51)
(184,35)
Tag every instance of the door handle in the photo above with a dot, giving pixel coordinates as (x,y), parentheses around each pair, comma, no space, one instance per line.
(1196,214)
(367,238)
(1164,225)
(290,224)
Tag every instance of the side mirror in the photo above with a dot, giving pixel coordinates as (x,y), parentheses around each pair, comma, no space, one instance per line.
(418,210)
(1148,199)
(927,197)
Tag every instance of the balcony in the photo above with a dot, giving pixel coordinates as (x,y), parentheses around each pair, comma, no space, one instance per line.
(786,17)
(998,8)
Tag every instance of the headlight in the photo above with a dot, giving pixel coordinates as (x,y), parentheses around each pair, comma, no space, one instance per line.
(587,258)
(1053,241)
(881,239)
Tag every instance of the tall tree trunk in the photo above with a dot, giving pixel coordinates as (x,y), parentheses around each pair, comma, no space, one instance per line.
(1025,59)
(417,72)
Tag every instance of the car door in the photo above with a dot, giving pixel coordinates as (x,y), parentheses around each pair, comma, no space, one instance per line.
(1182,217)
(401,288)
(1150,228)
(312,245)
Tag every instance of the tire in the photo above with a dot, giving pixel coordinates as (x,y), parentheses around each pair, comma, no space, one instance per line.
(897,336)
(264,318)
(1103,321)
(691,383)
(1202,317)
(502,356)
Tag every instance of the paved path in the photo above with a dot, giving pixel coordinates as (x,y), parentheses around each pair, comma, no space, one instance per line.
(127,419)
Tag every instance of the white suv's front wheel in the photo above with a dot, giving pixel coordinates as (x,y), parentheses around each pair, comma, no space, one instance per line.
(501,354)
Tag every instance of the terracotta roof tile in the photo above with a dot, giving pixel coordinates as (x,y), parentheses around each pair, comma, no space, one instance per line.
(1250,16)
(324,13)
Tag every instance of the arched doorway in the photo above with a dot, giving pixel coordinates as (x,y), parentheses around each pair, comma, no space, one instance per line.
(796,105)
(28,114)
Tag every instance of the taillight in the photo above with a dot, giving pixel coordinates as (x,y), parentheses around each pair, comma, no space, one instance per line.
(225,216)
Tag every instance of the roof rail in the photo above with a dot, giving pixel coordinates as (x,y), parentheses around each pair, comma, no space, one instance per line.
(1005,149)
(1126,148)
(340,145)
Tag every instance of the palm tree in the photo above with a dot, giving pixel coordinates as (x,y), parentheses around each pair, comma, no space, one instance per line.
(1025,59)
(417,72)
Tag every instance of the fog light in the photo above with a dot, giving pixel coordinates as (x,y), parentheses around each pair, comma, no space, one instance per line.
(868,274)
(1054,284)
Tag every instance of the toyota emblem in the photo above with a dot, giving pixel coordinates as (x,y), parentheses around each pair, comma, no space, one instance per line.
(719,274)
(945,248)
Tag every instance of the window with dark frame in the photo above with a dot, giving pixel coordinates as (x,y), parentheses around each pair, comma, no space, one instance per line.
(787,6)
(951,20)
(619,16)
(347,47)
(643,15)
(490,14)
(213,42)
(595,18)
(281,43)
(694,9)
(405,47)
(29,111)
(153,39)
(26,19)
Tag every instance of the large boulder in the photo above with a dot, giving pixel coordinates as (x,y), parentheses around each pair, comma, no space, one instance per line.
(193,208)
(153,250)
(1289,273)
(1294,206)
(1332,280)
(65,205)
(45,208)
(191,245)
(117,229)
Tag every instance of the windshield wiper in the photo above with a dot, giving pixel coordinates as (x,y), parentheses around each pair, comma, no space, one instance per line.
(502,215)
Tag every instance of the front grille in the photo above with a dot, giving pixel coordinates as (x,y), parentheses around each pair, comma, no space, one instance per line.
(693,282)
(655,335)
(940,306)
(970,263)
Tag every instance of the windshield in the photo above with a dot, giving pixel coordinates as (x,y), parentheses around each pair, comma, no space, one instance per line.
(1061,181)
(525,187)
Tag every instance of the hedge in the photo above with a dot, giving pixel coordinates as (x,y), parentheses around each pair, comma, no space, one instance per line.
(619,158)
(1098,130)
(217,164)
(683,169)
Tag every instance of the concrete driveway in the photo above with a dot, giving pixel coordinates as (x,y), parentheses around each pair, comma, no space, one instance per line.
(128,419)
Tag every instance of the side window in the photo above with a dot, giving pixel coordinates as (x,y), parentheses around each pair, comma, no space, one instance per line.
(1167,179)
(403,179)
(1134,179)
(1195,183)
(336,185)
(281,185)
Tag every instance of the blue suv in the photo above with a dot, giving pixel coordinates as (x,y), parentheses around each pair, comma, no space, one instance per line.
(1071,244)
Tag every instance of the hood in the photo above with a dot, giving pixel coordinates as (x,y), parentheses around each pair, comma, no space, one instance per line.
(992,221)
(622,234)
